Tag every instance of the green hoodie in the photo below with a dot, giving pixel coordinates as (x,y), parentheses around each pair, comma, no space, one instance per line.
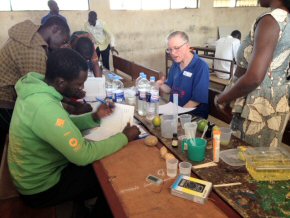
(43,138)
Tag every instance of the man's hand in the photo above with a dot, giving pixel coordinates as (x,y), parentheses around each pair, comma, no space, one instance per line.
(114,50)
(161,81)
(132,132)
(103,111)
(165,89)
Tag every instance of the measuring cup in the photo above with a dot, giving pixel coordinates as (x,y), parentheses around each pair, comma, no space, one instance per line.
(190,130)
(167,126)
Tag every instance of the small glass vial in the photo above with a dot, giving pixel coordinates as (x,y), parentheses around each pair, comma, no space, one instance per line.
(174,141)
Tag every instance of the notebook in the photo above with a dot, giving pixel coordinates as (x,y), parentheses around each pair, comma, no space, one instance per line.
(113,124)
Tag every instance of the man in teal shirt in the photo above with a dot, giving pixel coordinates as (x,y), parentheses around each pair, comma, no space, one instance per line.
(48,158)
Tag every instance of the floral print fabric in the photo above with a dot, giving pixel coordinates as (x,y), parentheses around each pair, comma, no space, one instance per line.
(261,116)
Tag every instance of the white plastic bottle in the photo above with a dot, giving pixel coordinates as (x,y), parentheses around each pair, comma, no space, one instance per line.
(152,100)
(109,88)
(118,91)
(142,87)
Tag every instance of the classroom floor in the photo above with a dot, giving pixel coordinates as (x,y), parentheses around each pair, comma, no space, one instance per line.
(15,208)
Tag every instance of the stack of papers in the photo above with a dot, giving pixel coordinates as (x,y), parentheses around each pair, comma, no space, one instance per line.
(113,124)
(169,109)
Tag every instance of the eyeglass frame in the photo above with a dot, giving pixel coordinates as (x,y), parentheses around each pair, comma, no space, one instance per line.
(176,48)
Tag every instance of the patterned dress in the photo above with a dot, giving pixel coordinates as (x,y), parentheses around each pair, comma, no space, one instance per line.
(261,116)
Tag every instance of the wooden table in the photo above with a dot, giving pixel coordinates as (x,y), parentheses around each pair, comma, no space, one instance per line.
(122,176)
(252,198)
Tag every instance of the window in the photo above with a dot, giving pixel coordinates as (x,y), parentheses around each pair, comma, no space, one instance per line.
(234,3)
(5,5)
(176,4)
(152,4)
(34,5)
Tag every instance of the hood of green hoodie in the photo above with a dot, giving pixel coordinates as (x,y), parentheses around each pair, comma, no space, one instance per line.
(33,83)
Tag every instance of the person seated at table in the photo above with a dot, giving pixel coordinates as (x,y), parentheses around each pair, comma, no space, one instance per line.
(48,158)
(188,76)
(82,42)
(227,48)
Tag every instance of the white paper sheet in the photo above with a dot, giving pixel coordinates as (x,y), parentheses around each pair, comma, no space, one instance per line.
(95,87)
(113,124)
(169,109)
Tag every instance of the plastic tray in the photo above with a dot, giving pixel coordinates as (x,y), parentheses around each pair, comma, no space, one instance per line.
(268,164)
(231,157)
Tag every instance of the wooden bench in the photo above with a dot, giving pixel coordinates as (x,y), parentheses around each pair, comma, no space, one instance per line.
(123,65)
(132,69)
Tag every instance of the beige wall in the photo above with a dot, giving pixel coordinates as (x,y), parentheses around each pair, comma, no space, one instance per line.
(140,35)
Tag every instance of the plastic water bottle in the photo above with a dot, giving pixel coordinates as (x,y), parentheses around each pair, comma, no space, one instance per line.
(152,99)
(142,87)
(118,91)
(136,84)
(139,78)
(109,87)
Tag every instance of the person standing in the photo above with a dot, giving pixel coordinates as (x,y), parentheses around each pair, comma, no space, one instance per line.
(226,48)
(188,76)
(26,51)
(82,42)
(54,11)
(103,38)
(261,90)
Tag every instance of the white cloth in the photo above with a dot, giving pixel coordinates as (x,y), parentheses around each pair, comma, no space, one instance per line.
(102,35)
(226,48)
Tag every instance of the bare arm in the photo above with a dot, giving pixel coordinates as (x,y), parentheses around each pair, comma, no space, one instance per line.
(265,41)
(162,86)
(191,104)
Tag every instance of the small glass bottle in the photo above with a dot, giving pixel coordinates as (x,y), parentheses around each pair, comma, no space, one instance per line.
(174,141)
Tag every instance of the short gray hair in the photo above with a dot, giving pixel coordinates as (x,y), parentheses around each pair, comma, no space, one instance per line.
(182,34)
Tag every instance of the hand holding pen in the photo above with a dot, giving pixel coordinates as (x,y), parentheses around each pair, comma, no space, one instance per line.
(104,110)
(109,103)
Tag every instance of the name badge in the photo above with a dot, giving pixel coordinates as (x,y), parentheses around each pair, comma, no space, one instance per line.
(186,73)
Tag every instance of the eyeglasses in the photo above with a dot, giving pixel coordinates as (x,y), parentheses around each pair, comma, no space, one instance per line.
(176,48)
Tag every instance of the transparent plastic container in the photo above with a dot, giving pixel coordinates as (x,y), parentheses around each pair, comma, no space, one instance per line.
(231,157)
(143,87)
(152,99)
(268,163)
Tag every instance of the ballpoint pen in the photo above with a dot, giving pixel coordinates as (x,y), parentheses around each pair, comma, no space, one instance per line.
(105,102)
(101,100)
